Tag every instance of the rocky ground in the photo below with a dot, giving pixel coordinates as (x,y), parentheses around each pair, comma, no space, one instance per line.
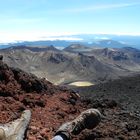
(125,91)
(52,105)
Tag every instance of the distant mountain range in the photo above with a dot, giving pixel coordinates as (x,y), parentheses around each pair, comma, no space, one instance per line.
(76,62)
(91,40)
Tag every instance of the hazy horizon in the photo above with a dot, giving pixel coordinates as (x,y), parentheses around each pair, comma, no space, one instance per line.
(37,20)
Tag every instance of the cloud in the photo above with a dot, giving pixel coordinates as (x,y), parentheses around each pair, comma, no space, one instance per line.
(7,37)
(99,7)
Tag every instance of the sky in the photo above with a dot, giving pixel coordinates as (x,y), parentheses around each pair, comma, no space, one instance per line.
(36,19)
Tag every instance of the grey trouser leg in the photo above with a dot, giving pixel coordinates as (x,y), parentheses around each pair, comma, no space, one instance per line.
(15,130)
(58,137)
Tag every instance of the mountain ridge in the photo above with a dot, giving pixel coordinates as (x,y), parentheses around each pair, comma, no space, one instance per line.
(62,66)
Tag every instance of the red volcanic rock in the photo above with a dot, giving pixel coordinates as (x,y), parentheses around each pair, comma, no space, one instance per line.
(52,105)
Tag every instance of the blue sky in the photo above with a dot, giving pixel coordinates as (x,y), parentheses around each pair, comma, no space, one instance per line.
(31,19)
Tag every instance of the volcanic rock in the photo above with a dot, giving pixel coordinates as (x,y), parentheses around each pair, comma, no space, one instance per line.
(51,106)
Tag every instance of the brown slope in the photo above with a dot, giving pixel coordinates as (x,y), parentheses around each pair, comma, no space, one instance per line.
(51,106)
(120,104)
(125,91)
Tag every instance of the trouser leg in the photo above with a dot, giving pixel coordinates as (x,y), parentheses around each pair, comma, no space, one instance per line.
(2,134)
(58,137)
(15,130)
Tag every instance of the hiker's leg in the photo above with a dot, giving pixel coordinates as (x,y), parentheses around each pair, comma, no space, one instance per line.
(88,119)
(2,134)
(15,130)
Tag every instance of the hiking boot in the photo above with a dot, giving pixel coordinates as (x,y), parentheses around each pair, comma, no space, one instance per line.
(88,119)
(15,130)
(2,134)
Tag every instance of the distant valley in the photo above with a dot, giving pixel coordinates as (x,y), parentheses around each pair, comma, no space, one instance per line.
(76,62)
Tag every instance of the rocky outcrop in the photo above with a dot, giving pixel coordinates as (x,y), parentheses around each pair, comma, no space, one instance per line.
(52,105)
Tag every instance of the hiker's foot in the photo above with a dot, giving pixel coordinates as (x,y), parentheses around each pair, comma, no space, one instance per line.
(88,119)
(2,134)
(15,130)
